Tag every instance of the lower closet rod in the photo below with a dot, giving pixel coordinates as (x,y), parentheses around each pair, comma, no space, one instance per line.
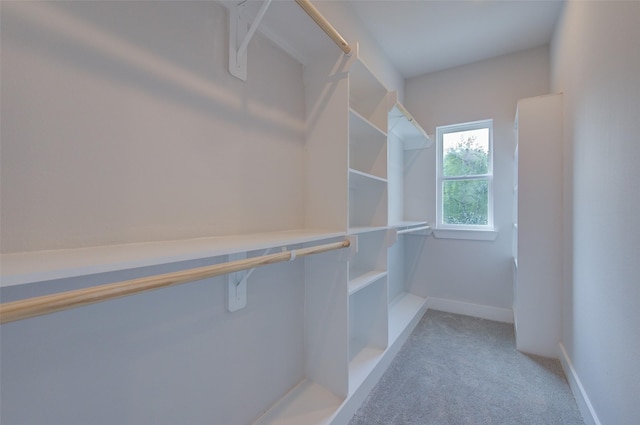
(38,306)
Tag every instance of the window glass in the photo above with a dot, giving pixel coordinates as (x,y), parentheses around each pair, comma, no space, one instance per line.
(465,175)
(466,152)
(466,201)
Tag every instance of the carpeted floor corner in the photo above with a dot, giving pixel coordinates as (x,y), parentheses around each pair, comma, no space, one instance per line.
(456,370)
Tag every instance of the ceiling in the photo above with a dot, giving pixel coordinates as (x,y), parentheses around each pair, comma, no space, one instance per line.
(423,36)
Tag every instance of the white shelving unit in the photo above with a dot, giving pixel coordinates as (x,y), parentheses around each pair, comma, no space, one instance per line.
(368,208)
(364,317)
(367,139)
(367,306)
(537,218)
(355,304)
(406,139)
(358,311)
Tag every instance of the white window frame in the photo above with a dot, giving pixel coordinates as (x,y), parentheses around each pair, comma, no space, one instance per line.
(464,231)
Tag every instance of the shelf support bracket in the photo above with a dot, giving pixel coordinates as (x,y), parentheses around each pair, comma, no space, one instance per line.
(237,282)
(240,34)
(237,285)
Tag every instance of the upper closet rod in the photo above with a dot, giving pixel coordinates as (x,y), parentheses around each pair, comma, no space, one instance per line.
(325,25)
(38,306)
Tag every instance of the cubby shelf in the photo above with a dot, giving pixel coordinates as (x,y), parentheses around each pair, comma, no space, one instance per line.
(367,201)
(402,310)
(363,359)
(359,179)
(363,279)
(408,166)
(367,147)
(368,334)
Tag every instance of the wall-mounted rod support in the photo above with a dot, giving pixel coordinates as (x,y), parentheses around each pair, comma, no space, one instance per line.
(237,283)
(38,306)
(252,29)
(325,25)
(240,34)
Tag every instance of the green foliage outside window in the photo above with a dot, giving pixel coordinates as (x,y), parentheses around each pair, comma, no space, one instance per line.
(465,201)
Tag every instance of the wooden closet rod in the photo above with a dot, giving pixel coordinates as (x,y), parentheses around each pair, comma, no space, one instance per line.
(38,306)
(325,25)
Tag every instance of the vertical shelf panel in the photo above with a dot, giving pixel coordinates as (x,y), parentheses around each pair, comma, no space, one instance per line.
(538,235)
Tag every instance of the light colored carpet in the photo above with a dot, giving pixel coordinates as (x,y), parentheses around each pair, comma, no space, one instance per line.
(456,370)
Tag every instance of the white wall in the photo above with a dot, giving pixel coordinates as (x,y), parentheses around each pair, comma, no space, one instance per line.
(596,63)
(475,272)
(171,356)
(121,123)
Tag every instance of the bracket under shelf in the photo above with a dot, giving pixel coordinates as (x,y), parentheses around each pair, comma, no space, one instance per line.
(240,34)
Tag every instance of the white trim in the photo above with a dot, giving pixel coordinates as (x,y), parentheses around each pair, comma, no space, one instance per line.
(469,234)
(497,314)
(582,399)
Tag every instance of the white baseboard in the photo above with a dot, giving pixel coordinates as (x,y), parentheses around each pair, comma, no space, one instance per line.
(584,405)
(468,309)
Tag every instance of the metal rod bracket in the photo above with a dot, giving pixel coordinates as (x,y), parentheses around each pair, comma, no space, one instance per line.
(240,34)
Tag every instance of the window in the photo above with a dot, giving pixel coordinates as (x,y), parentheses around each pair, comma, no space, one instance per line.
(465,176)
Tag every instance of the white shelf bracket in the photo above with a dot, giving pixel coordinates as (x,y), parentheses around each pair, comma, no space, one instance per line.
(237,283)
(240,34)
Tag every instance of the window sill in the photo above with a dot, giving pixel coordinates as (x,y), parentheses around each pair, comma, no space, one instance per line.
(468,234)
